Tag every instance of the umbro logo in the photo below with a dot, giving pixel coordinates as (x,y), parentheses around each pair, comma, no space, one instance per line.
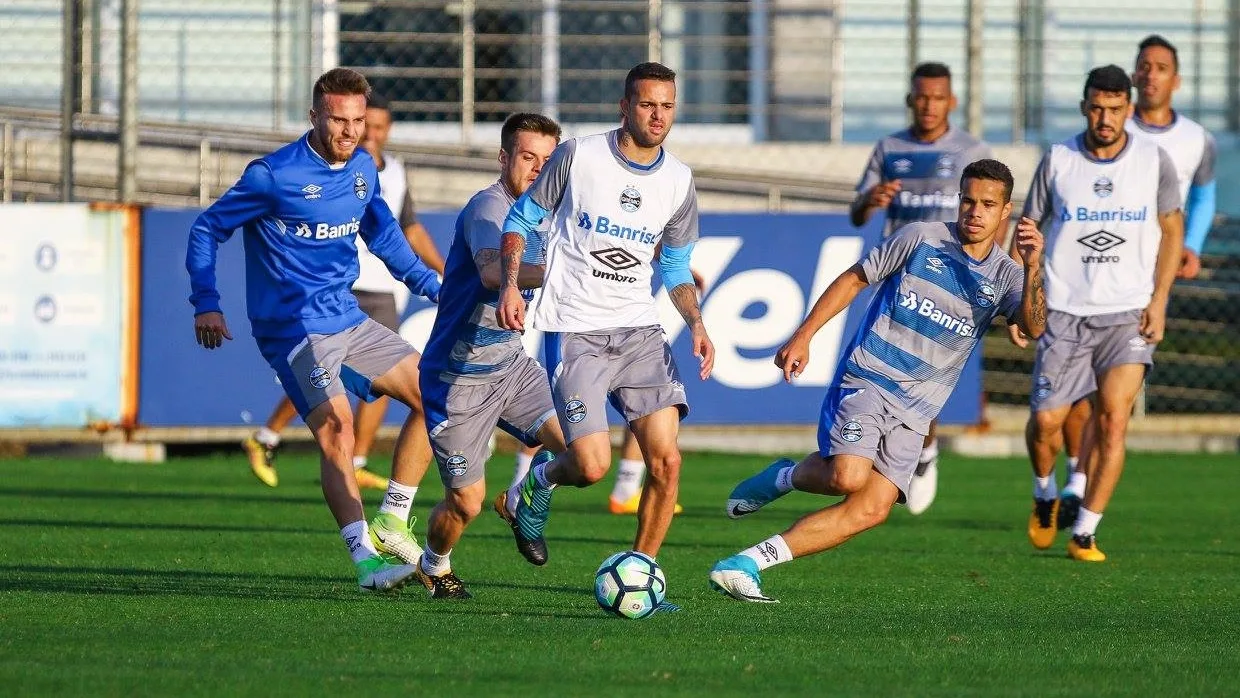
(902,166)
(396,497)
(1101,241)
(616,258)
(935,264)
(312,191)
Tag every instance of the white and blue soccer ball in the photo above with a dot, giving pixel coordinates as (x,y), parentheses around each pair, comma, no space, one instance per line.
(630,585)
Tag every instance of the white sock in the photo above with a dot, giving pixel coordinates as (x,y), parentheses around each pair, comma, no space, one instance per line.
(1044,487)
(1072,461)
(930,452)
(1076,485)
(360,462)
(628,479)
(357,539)
(522,469)
(1086,523)
(398,500)
(769,552)
(267,437)
(783,479)
(433,563)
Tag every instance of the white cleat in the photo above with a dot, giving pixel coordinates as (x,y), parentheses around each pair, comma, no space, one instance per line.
(734,577)
(377,574)
(923,487)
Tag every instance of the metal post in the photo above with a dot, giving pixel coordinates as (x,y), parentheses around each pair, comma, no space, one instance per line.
(759,67)
(1233,66)
(467,71)
(69,66)
(1022,71)
(1199,12)
(551,59)
(277,101)
(127,138)
(87,58)
(6,179)
(974,65)
(913,25)
(836,125)
(654,38)
(204,170)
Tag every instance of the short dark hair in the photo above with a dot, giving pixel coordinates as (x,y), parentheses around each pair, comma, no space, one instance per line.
(646,71)
(1158,40)
(1108,78)
(992,170)
(525,121)
(931,69)
(378,101)
(339,81)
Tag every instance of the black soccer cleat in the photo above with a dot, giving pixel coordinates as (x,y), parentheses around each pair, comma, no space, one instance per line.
(443,586)
(534,550)
(1069,507)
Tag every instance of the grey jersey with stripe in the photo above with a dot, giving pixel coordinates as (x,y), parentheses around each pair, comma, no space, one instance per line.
(932,304)
(929,174)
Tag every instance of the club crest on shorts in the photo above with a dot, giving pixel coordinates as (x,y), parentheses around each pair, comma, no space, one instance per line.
(359,185)
(630,199)
(851,431)
(320,377)
(574,411)
(1136,343)
(1042,387)
(457,464)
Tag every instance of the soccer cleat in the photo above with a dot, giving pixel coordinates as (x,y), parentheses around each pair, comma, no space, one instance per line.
(526,508)
(629,506)
(1085,549)
(443,586)
(368,480)
(923,486)
(1069,507)
(376,573)
(737,576)
(262,460)
(757,491)
(1042,523)
(394,537)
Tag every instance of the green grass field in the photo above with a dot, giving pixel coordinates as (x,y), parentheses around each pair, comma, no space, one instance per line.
(190,578)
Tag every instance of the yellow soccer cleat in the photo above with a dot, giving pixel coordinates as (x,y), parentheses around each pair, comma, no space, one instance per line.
(629,506)
(1085,549)
(262,461)
(1042,522)
(368,480)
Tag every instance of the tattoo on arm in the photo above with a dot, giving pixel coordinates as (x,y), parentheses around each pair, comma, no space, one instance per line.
(486,257)
(1035,303)
(685,298)
(511,247)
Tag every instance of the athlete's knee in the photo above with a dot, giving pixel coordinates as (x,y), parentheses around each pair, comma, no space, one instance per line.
(332,427)
(466,503)
(1047,422)
(845,480)
(867,511)
(664,466)
(1112,424)
(592,458)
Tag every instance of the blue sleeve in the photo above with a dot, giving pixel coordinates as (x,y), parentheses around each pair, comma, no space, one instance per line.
(383,236)
(1200,207)
(674,266)
(247,200)
(525,216)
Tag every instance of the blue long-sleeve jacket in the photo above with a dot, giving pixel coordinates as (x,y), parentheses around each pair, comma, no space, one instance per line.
(300,217)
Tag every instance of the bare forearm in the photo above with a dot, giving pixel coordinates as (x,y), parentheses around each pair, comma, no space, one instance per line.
(528,275)
(860,211)
(1170,249)
(511,247)
(838,295)
(420,240)
(1033,303)
(685,298)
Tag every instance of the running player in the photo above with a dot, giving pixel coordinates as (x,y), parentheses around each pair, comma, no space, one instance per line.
(300,209)
(941,285)
(914,175)
(1111,207)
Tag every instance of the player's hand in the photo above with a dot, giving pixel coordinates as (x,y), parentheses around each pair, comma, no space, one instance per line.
(1017,337)
(1154,322)
(882,193)
(1029,242)
(793,357)
(704,349)
(210,330)
(510,313)
(1190,265)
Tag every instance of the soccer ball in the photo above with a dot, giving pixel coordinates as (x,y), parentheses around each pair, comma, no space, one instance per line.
(630,585)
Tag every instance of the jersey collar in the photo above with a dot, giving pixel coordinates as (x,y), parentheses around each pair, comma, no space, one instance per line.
(613,142)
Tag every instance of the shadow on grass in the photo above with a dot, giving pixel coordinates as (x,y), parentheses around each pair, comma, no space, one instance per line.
(51,493)
(155,526)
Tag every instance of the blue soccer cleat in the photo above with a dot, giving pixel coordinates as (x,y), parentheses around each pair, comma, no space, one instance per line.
(737,576)
(757,491)
(525,507)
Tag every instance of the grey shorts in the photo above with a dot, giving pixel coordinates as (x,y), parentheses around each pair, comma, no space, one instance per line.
(460,418)
(633,367)
(380,307)
(317,367)
(857,421)
(1074,351)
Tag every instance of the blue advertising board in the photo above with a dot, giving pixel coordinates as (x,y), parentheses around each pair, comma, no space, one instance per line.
(763,273)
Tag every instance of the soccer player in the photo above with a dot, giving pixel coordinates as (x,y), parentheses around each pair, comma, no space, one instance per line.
(376,297)
(300,209)
(941,285)
(612,198)
(1110,204)
(476,374)
(914,175)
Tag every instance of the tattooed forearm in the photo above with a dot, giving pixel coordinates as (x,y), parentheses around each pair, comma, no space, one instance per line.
(511,247)
(685,298)
(1034,303)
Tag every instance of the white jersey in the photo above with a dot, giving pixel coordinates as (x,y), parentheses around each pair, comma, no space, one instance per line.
(373,274)
(1100,219)
(1188,143)
(607,215)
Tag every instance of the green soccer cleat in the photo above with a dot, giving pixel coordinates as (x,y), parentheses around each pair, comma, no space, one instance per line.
(378,574)
(394,537)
